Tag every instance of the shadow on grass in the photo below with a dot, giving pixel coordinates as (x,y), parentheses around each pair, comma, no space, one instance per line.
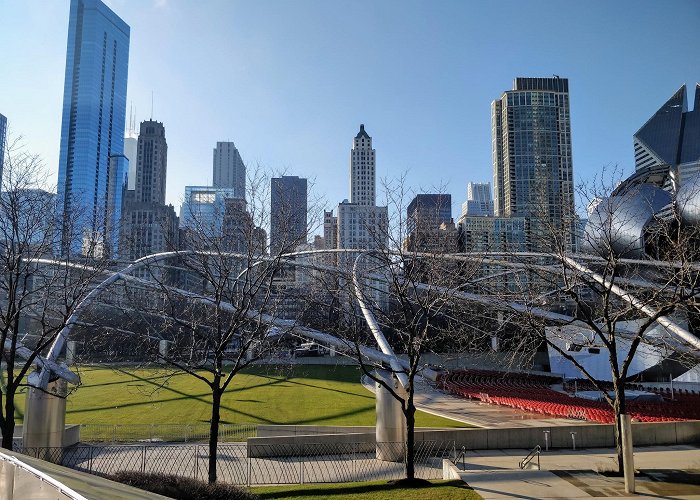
(202,397)
(350,489)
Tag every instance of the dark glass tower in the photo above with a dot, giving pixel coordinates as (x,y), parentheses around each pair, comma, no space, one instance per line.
(672,136)
(428,211)
(532,161)
(92,129)
(288,213)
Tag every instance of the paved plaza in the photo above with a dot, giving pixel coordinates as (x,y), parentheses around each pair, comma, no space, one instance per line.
(664,472)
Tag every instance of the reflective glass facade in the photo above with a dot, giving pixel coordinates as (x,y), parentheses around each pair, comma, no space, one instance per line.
(532,160)
(92,127)
(203,208)
(428,211)
(3,139)
(671,136)
(288,213)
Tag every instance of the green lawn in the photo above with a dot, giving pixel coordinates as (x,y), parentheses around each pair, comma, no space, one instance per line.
(378,490)
(302,395)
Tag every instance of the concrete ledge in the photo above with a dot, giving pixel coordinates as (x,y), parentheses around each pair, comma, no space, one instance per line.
(587,436)
(450,470)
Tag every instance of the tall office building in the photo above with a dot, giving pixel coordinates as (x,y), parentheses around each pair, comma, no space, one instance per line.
(362,224)
(362,170)
(532,160)
(671,137)
(92,129)
(428,211)
(479,201)
(3,145)
(288,214)
(152,163)
(148,225)
(229,169)
(429,225)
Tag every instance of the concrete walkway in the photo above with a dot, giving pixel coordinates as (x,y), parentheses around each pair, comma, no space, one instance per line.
(667,472)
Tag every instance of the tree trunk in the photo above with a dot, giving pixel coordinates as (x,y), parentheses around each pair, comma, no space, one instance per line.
(410,439)
(619,410)
(8,422)
(214,432)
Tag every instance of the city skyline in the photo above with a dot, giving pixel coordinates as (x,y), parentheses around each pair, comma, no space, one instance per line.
(301,126)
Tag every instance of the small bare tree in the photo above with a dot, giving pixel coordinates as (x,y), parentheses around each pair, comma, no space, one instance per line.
(636,275)
(404,285)
(207,311)
(38,293)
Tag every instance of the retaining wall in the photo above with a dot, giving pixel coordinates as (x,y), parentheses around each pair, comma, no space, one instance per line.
(587,436)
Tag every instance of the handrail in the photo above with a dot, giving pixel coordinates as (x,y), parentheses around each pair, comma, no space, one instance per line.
(462,454)
(535,452)
(43,477)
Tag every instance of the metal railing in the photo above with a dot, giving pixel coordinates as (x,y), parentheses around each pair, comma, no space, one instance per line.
(126,433)
(535,452)
(282,464)
(21,480)
(456,456)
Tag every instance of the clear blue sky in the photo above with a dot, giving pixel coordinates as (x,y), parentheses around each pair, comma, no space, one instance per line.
(290,81)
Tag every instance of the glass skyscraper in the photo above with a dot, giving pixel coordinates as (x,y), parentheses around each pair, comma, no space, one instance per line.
(92,130)
(532,161)
(3,139)
(288,213)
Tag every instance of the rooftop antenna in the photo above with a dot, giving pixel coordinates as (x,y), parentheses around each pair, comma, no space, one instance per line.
(131,118)
(151,105)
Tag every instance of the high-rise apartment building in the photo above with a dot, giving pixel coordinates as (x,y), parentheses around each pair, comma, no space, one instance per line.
(479,201)
(92,128)
(288,214)
(3,145)
(671,137)
(151,163)
(229,169)
(532,159)
(362,170)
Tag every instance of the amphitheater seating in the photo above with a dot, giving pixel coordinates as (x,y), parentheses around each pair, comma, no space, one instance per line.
(533,393)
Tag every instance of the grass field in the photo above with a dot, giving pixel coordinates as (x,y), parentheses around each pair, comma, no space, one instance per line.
(301,395)
(379,490)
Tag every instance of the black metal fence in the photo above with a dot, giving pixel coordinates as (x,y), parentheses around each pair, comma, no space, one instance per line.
(308,463)
(129,433)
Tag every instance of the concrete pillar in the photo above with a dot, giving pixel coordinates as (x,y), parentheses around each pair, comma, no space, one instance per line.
(71,351)
(495,346)
(45,421)
(628,453)
(391,424)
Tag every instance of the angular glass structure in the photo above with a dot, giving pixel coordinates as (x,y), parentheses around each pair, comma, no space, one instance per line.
(671,137)
(92,129)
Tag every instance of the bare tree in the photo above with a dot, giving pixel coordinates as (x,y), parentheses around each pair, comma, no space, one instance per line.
(38,293)
(400,291)
(629,293)
(208,309)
